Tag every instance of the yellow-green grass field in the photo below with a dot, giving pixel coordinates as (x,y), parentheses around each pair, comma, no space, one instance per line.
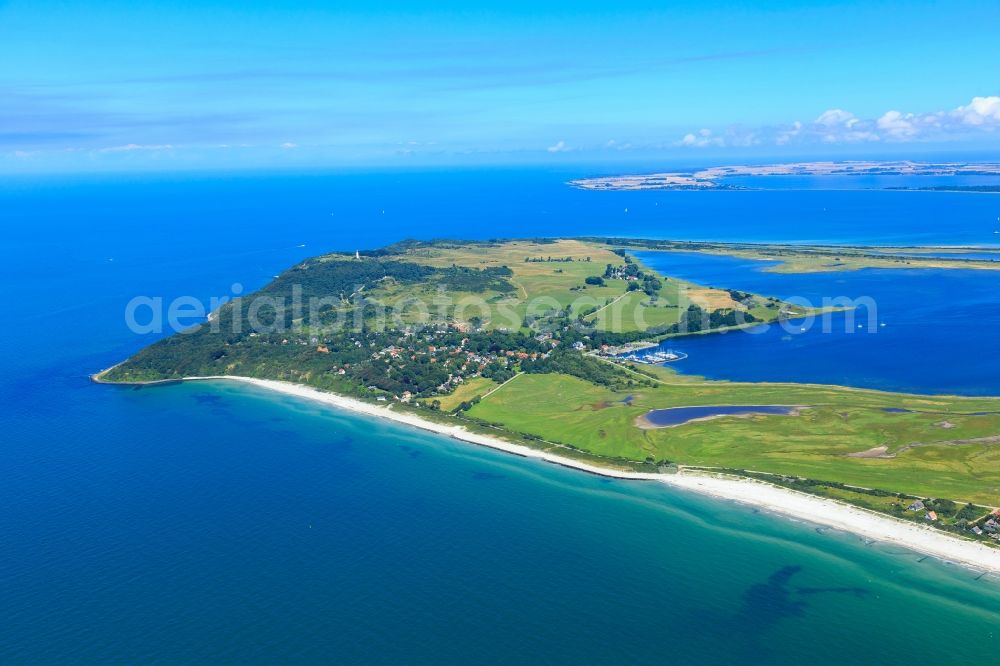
(470,389)
(930,454)
(535,280)
(820,259)
(555,281)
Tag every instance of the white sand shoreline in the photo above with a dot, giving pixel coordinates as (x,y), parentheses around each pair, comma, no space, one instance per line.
(821,511)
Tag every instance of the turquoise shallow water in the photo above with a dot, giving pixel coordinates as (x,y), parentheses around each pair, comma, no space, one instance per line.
(223,523)
(213,523)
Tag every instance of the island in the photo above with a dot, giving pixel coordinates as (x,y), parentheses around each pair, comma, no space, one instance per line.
(536,347)
(714,178)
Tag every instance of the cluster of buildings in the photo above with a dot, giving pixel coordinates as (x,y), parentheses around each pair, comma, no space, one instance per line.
(990,527)
(449,354)
(627,272)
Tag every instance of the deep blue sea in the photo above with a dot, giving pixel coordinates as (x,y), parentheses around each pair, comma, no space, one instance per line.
(208,523)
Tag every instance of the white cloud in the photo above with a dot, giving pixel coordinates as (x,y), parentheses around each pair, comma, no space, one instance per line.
(786,136)
(611,144)
(288,145)
(835,117)
(132,147)
(832,126)
(980,111)
(559,147)
(835,126)
(701,139)
(896,125)
(733,136)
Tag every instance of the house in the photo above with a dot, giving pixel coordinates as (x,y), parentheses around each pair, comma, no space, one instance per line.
(579,346)
(931,516)
(916,506)
(323,349)
(977,530)
(990,525)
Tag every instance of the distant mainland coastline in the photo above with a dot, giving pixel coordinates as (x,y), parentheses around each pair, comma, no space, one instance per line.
(714,178)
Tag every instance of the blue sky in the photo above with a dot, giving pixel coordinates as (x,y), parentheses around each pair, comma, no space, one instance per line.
(210,84)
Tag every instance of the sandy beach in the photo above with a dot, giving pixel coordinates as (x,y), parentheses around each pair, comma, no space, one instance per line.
(817,510)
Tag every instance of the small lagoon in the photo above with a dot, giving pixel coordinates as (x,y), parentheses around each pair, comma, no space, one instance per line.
(674,416)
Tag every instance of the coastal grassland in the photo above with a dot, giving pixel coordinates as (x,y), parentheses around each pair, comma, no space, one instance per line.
(465,392)
(552,281)
(554,275)
(554,278)
(938,249)
(634,311)
(821,258)
(825,261)
(526,285)
(638,311)
(928,451)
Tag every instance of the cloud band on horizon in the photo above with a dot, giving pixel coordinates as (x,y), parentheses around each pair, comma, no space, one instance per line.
(837,126)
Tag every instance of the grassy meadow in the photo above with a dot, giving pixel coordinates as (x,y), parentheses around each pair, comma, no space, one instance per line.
(549,276)
(930,454)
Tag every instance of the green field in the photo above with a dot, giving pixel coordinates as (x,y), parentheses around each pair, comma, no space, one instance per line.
(548,282)
(815,444)
(825,258)
(554,281)
(473,388)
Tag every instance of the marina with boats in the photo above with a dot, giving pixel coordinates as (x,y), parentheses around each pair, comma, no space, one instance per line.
(657,357)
